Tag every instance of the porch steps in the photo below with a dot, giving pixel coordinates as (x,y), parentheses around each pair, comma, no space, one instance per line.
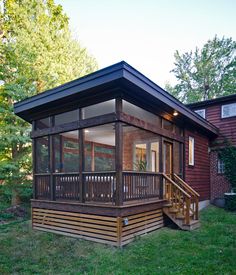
(179,220)
(182,203)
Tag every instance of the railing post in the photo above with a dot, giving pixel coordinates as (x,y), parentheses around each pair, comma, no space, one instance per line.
(187,213)
(161,194)
(196,208)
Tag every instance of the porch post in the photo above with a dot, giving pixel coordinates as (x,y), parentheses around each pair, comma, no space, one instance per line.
(81,160)
(119,155)
(51,165)
(161,169)
(34,163)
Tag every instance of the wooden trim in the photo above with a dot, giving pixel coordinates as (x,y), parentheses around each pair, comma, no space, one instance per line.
(34,163)
(100,209)
(82,123)
(98,228)
(81,161)
(52,183)
(119,162)
(150,127)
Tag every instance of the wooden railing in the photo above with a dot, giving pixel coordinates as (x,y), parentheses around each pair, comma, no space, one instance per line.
(141,185)
(66,186)
(42,186)
(178,197)
(194,195)
(99,186)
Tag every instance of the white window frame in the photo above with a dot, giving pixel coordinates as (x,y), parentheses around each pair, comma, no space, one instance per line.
(191,148)
(203,111)
(220,166)
(231,105)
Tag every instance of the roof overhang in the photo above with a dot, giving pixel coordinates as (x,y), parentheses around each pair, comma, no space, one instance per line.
(107,83)
(216,101)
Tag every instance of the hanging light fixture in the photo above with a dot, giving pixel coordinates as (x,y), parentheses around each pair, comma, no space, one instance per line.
(175,113)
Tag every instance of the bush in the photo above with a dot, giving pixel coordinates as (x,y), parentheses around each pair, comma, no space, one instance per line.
(25,192)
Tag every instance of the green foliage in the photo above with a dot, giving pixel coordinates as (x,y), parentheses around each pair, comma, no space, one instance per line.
(141,165)
(228,155)
(24,190)
(37,52)
(205,73)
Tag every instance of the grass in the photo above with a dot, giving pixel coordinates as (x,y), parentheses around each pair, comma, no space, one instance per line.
(208,250)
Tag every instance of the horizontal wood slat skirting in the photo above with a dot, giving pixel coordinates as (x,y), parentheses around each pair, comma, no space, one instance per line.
(116,231)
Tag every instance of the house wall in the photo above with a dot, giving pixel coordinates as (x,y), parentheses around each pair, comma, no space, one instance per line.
(227,131)
(226,126)
(198,175)
(219,184)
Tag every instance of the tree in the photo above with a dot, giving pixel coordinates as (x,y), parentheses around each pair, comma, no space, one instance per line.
(37,52)
(205,73)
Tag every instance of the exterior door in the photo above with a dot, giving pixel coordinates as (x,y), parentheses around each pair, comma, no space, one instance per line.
(168,158)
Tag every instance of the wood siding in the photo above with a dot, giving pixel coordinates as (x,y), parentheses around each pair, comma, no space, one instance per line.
(198,175)
(116,231)
(227,126)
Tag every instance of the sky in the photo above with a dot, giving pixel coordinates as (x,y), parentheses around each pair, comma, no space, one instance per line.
(146,33)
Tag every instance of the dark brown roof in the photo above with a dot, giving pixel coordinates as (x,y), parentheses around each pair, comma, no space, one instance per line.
(215,101)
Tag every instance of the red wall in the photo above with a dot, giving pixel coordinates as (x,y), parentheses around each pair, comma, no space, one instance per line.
(227,126)
(198,176)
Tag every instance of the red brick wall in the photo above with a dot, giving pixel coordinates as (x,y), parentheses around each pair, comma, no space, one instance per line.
(219,184)
(198,176)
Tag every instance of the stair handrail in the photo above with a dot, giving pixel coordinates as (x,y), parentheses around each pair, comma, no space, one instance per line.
(189,188)
(176,185)
(183,204)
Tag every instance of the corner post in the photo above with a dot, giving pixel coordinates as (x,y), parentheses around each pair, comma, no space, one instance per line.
(119,155)
(81,160)
(161,191)
(34,163)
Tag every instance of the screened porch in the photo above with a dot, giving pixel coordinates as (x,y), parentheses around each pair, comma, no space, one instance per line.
(112,153)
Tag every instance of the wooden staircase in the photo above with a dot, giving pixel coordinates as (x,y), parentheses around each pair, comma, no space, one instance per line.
(182,207)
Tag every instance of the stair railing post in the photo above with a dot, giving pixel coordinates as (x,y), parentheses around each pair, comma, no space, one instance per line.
(187,214)
(196,208)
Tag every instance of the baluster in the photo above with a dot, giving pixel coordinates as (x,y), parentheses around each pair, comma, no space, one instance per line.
(187,216)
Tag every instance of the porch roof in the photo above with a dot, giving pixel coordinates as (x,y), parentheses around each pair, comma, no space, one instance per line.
(118,79)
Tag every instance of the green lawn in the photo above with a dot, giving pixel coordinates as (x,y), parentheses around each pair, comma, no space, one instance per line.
(209,250)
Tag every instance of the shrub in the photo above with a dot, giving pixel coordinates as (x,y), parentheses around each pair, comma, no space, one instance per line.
(228,155)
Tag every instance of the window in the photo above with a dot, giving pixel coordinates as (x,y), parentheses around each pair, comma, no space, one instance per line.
(191,151)
(42,155)
(220,166)
(99,149)
(42,123)
(201,112)
(228,110)
(140,150)
(99,109)
(167,125)
(140,113)
(66,152)
(66,117)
